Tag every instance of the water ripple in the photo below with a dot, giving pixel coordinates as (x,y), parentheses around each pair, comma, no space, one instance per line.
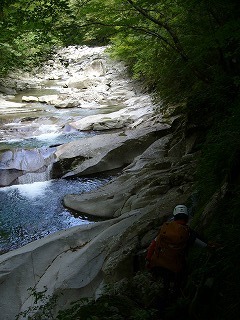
(32,211)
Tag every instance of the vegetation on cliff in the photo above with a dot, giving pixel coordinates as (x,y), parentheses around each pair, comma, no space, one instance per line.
(29,30)
(186,51)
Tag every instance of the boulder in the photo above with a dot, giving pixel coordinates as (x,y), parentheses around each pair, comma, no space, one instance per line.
(17,165)
(111,199)
(8,176)
(100,122)
(148,178)
(66,103)
(29,99)
(104,152)
(81,82)
(114,120)
(49,99)
(6,90)
(96,68)
(10,106)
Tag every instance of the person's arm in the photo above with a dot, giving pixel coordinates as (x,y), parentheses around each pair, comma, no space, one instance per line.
(195,239)
(200,243)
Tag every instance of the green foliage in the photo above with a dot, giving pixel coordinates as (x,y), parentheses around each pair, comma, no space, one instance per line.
(133,299)
(42,307)
(29,30)
(130,300)
(159,68)
(220,153)
(29,15)
(187,51)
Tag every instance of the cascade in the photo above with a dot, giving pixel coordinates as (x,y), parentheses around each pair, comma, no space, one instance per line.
(25,166)
(32,177)
(38,117)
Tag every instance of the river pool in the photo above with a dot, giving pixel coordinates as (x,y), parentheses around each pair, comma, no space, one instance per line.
(31,211)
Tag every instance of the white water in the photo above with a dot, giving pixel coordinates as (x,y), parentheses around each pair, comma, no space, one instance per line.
(37,189)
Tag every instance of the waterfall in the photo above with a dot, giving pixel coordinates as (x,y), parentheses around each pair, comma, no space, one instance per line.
(32,177)
(22,166)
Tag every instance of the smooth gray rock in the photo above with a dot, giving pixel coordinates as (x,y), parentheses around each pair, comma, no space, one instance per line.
(151,176)
(105,152)
(66,262)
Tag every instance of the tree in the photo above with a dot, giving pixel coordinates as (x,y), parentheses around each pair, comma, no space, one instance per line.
(189,44)
(28,29)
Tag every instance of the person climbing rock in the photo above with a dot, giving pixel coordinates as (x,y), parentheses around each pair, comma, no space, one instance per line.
(166,255)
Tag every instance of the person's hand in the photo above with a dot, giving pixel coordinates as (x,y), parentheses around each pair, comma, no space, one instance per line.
(213,246)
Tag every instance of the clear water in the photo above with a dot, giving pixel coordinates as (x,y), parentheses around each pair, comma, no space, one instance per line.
(44,140)
(32,211)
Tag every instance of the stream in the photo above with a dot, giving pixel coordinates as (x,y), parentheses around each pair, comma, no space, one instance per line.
(32,211)
(33,208)
(31,202)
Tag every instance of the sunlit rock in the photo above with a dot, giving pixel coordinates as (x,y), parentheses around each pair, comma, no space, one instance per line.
(50,99)
(29,99)
(96,68)
(67,103)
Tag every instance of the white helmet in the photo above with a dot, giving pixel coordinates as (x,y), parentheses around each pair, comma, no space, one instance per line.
(180,209)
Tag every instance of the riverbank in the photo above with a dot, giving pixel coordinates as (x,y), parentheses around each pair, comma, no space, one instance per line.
(158,165)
